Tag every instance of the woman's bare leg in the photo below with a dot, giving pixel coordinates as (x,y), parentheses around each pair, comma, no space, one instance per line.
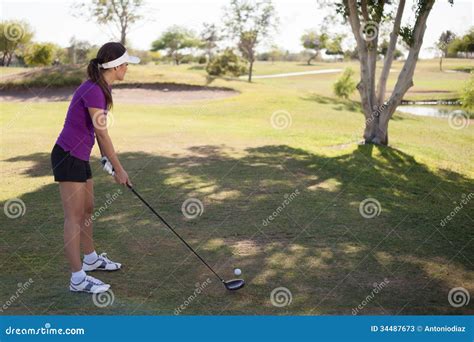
(87,239)
(73,199)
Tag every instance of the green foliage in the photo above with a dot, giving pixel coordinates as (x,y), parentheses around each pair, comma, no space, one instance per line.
(345,85)
(174,41)
(406,32)
(40,54)
(333,44)
(463,44)
(14,34)
(250,22)
(444,40)
(467,95)
(383,48)
(227,63)
(311,40)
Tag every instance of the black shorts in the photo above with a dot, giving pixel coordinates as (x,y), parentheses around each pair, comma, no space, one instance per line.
(67,168)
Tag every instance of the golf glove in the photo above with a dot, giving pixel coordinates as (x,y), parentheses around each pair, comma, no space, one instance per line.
(107,166)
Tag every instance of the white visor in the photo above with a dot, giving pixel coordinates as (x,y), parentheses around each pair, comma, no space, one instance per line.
(125,58)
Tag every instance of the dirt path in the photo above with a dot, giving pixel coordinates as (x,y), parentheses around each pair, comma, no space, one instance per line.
(140,94)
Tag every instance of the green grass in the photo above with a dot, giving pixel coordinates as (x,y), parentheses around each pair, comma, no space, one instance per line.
(227,154)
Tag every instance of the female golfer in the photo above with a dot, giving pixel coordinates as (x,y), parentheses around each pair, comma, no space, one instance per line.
(87,114)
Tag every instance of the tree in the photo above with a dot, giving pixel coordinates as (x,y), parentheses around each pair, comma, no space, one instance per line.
(313,41)
(275,53)
(78,51)
(210,37)
(345,85)
(334,44)
(250,22)
(227,63)
(365,17)
(14,34)
(174,41)
(383,49)
(40,54)
(462,45)
(443,43)
(119,14)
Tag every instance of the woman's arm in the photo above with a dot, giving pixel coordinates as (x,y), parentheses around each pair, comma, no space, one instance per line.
(99,119)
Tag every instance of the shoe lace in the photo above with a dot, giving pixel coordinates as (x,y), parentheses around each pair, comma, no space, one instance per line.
(104,257)
(93,280)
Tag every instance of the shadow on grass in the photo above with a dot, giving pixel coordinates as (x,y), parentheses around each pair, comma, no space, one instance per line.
(316,244)
(339,104)
(344,105)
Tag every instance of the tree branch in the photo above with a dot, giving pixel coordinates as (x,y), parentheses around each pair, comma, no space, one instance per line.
(364,84)
(405,78)
(382,85)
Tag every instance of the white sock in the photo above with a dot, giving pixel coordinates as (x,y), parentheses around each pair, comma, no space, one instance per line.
(90,258)
(78,277)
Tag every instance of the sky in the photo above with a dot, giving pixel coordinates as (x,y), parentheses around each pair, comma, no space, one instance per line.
(53,20)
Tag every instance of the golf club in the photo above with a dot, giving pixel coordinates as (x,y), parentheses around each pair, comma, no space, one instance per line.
(231,285)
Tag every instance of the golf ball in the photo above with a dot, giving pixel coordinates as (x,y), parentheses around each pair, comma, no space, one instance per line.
(237,271)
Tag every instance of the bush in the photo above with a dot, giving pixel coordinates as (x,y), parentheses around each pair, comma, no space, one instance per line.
(345,85)
(187,59)
(54,77)
(40,54)
(202,59)
(227,63)
(467,95)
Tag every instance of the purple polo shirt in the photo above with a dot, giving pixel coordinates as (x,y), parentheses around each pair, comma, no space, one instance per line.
(77,135)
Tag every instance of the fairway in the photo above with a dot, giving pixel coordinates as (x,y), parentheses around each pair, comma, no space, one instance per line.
(274,141)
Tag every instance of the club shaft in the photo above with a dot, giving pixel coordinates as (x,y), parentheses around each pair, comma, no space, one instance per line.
(175,233)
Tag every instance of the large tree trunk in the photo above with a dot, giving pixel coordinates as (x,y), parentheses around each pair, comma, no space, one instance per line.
(311,58)
(9,58)
(378,112)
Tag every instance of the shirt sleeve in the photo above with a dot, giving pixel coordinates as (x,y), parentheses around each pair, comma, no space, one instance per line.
(94,97)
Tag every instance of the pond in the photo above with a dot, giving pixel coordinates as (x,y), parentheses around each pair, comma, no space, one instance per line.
(439,111)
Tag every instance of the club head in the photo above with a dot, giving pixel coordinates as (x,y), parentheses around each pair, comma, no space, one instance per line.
(234,284)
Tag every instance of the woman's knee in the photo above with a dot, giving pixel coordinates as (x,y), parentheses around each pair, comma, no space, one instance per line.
(73,220)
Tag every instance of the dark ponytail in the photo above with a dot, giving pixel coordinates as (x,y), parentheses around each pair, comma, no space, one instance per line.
(108,52)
